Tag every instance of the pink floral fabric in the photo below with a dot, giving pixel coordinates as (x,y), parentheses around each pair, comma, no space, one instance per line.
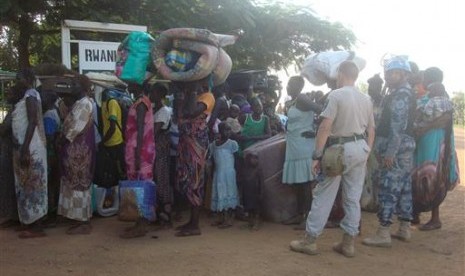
(147,153)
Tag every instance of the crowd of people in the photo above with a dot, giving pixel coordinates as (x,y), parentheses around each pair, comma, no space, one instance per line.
(190,139)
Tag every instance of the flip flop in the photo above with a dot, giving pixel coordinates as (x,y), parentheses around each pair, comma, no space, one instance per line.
(188,233)
(28,234)
(430,226)
(82,229)
(181,227)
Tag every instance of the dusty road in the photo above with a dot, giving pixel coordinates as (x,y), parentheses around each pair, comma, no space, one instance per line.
(240,252)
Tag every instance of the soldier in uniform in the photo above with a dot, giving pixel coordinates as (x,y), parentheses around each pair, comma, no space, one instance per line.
(347,118)
(394,148)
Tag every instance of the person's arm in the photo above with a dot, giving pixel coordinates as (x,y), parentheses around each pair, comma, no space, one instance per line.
(217,109)
(322,136)
(157,127)
(440,122)
(193,108)
(371,128)
(317,108)
(111,105)
(399,121)
(110,132)
(31,107)
(140,111)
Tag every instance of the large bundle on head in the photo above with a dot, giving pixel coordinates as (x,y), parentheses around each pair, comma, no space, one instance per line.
(321,67)
(187,54)
(133,57)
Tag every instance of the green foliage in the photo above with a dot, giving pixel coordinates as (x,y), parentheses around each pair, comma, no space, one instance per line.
(459,108)
(276,35)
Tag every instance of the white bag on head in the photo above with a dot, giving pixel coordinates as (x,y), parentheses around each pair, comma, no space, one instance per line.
(320,67)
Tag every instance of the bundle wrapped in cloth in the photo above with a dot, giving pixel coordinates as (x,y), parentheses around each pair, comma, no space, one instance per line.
(318,68)
(188,54)
(133,57)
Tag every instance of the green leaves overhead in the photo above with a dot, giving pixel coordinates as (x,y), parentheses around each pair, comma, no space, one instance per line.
(276,35)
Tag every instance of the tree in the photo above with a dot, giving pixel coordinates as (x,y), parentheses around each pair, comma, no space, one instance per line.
(275,35)
(459,108)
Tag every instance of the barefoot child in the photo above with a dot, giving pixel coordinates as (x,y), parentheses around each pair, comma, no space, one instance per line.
(224,193)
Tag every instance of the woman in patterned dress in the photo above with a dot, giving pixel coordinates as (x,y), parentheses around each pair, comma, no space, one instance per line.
(77,156)
(29,157)
(194,104)
(140,149)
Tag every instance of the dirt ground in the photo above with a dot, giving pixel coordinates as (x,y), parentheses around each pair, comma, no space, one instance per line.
(240,252)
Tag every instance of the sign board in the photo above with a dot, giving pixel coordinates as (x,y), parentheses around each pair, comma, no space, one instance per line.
(97,56)
(91,48)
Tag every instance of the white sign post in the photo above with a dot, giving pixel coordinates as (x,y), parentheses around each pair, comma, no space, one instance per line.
(93,55)
(97,56)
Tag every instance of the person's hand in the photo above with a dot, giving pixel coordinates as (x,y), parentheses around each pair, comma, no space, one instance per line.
(316,167)
(388,162)
(24,156)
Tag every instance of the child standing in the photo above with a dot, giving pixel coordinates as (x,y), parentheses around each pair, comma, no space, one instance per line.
(52,127)
(224,193)
(233,121)
(255,128)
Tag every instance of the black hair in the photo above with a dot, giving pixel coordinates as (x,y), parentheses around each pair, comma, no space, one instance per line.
(431,75)
(298,81)
(375,88)
(48,98)
(437,89)
(159,88)
(220,90)
(222,126)
(255,100)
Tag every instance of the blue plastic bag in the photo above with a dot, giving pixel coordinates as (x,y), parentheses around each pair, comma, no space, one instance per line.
(137,200)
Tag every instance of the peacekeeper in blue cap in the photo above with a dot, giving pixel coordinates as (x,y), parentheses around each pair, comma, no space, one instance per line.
(394,148)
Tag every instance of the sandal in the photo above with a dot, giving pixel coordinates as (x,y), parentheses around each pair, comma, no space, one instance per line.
(183,226)
(30,234)
(430,226)
(188,232)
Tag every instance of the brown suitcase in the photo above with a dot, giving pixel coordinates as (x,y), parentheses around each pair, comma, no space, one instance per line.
(278,200)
